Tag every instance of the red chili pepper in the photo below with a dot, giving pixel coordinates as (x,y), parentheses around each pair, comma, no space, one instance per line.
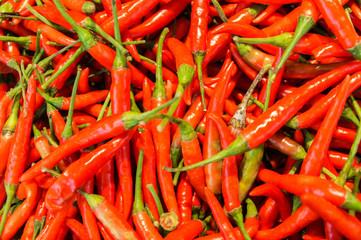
(142,221)
(104,232)
(184,198)
(334,15)
(159,19)
(224,225)
(77,173)
(198,34)
(102,130)
(20,148)
(299,184)
(129,15)
(188,230)
(347,224)
(77,228)
(86,7)
(23,212)
(107,214)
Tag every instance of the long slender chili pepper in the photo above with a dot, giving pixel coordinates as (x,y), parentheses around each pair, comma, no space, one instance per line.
(188,230)
(74,176)
(198,31)
(268,123)
(120,102)
(129,15)
(184,198)
(162,138)
(8,134)
(159,19)
(19,149)
(104,129)
(348,225)
(86,7)
(18,218)
(107,215)
(224,225)
(334,15)
(276,194)
(314,160)
(319,109)
(185,70)
(312,184)
(142,221)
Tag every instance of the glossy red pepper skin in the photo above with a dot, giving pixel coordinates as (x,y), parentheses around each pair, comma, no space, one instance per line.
(129,15)
(64,189)
(315,157)
(159,19)
(189,230)
(347,224)
(184,199)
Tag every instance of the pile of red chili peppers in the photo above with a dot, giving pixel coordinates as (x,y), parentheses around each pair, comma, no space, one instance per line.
(184,119)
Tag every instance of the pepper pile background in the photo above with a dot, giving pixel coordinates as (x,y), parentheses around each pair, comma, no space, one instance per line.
(183,119)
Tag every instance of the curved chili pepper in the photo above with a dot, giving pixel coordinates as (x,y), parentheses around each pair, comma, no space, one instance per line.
(129,15)
(107,214)
(159,19)
(141,219)
(162,138)
(302,217)
(276,194)
(86,7)
(224,225)
(8,134)
(311,184)
(104,232)
(268,123)
(318,150)
(185,70)
(188,230)
(198,34)
(74,176)
(347,224)
(23,212)
(104,129)
(20,148)
(77,228)
(319,109)
(143,140)
(334,15)
(286,24)
(81,100)
(184,198)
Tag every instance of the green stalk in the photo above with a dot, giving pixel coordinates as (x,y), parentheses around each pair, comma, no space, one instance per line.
(68,129)
(237,216)
(104,107)
(119,61)
(138,205)
(159,89)
(46,21)
(156,199)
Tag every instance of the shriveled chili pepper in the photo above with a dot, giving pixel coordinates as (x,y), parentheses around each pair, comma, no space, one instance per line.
(347,224)
(222,222)
(19,150)
(107,215)
(142,221)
